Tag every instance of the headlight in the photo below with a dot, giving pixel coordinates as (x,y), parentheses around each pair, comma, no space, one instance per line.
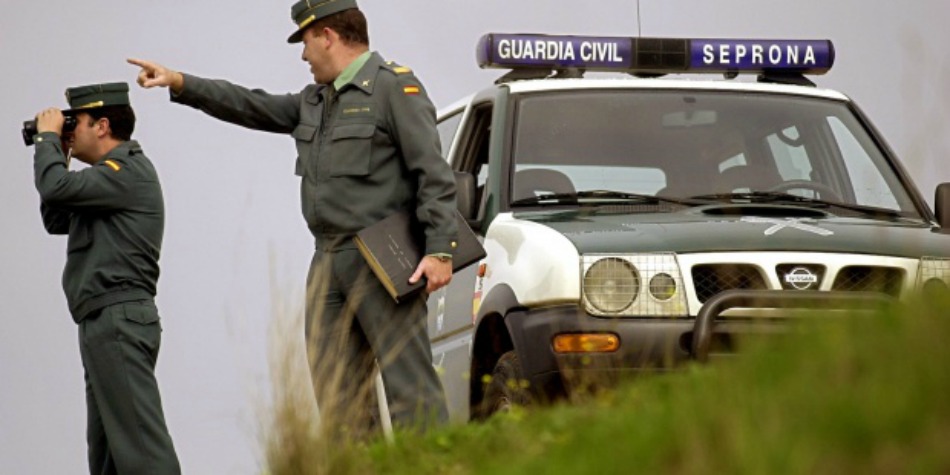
(611,285)
(640,285)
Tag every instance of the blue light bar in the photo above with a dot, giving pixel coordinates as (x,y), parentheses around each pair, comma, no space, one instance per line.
(654,55)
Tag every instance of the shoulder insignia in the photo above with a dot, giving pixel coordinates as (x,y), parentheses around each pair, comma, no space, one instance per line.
(113,165)
(410,90)
(396,68)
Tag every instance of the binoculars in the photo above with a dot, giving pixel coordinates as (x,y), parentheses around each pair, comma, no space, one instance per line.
(29,128)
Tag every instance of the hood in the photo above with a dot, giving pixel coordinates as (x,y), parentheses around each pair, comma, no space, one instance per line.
(738,228)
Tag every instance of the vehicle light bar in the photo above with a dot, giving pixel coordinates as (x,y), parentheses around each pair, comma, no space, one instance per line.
(654,55)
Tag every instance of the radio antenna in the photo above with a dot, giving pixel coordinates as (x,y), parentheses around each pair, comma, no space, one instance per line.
(639,31)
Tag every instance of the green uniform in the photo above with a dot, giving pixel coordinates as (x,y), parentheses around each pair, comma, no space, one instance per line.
(114,215)
(365,150)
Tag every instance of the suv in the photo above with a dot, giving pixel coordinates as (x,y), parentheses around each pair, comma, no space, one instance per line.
(636,223)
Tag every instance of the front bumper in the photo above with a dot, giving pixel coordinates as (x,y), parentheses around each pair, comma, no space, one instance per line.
(651,344)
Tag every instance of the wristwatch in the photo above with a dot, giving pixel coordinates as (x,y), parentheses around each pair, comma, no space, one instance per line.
(443,257)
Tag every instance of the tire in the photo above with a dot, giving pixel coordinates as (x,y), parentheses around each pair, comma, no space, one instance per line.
(508,386)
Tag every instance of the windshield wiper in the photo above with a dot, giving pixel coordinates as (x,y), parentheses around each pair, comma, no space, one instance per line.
(779,197)
(754,197)
(598,197)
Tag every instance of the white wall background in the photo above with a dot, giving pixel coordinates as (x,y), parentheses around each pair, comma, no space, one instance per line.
(235,243)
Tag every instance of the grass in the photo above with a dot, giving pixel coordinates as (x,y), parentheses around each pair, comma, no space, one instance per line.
(841,395)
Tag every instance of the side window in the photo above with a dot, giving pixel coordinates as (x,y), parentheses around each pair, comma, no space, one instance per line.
(480,165)
(471,150)
(447,128)
(791,159)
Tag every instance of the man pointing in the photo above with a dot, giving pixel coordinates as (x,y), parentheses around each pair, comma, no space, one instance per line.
(367,148)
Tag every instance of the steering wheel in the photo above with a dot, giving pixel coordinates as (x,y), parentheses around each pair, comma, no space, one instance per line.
(822,189)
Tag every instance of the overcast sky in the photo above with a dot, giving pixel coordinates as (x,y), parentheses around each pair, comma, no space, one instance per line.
(235,244)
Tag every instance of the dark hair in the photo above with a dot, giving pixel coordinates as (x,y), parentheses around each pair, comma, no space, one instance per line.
(121,120)
(349,24)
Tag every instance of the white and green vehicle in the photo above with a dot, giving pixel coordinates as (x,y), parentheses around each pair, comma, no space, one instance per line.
(635,223)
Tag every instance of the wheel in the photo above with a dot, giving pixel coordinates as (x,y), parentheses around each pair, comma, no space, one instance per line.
(507,388)
(822,189)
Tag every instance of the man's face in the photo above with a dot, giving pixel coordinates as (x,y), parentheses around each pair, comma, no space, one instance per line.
(315,53)
(84,140)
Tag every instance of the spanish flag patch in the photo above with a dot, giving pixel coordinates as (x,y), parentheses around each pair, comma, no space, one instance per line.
(113,165)
(410,90)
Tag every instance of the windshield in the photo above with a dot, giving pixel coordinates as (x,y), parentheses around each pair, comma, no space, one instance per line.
(710,144)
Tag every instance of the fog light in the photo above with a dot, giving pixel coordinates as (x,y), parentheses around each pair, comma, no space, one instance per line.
(586,343)
(662,287)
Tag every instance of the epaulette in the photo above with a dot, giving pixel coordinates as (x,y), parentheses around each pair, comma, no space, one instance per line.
(404,77)
(114,165)
(396,68)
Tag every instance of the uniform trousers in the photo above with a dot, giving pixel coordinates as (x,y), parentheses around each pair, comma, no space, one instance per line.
(353,324)
(125,426)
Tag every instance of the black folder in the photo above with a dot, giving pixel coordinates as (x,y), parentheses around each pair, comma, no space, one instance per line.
(393,249)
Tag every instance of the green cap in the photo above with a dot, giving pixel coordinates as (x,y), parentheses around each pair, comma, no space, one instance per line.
(305,12)
(97,95)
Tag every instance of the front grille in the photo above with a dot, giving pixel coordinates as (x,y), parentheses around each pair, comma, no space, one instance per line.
(887,280)
(711,279)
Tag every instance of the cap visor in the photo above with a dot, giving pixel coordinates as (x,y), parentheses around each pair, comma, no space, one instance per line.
(296,37)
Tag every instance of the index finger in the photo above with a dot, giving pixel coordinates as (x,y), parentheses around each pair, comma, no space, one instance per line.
(141,63)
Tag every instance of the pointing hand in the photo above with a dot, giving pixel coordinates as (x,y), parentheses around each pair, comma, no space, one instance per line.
(156,75)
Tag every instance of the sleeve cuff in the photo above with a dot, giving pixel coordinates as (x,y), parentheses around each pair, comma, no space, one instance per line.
(441,246)
(183,94)
(46,137)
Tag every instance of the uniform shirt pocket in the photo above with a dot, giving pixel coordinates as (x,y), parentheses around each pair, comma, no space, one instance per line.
(351,149)
(303,137)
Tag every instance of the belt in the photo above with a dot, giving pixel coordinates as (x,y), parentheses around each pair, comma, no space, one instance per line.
(333,242)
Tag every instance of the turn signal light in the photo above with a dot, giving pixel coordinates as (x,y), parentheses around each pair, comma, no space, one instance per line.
(586,343)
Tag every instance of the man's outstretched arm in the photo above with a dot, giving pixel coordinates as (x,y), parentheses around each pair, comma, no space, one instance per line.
(254,109)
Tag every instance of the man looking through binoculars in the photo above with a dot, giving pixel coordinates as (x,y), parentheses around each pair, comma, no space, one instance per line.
(114,214)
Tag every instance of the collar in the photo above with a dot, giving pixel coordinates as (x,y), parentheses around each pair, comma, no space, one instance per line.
(364,77)
(124,149)
(350,71)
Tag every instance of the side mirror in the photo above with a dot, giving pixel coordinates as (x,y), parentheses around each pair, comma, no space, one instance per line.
(465,194)
(942,204)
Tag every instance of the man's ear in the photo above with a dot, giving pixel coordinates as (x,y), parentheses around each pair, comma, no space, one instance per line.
(330,37)
(103,128)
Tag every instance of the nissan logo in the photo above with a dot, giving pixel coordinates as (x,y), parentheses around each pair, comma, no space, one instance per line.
(801,278)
